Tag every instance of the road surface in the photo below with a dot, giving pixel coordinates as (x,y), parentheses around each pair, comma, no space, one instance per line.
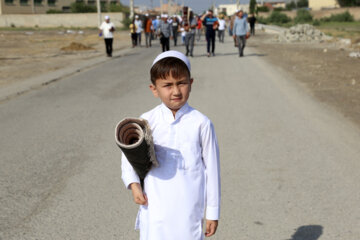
(290,165)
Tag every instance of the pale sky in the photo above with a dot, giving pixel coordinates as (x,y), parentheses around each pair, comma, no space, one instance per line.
(198,5)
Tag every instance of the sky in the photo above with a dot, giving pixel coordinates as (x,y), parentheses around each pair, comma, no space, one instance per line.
(198,5)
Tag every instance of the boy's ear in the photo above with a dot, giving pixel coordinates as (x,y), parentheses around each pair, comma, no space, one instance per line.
(154,90)
(191,82)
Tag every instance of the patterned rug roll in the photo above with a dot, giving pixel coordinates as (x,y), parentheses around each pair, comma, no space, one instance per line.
(133,136)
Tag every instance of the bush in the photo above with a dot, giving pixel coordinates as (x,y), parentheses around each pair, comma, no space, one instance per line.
(303,16)
(279,9)
(316,22)
(278,17)
(341,17)
(262,20)
(262,9)
(291,5)
(52,11)
(80,7)
(349,3)
(126,23)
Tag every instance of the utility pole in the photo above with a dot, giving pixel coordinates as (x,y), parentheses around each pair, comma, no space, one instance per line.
(151,4)
(98,11)
(170,7)
(131,9)
(237,4)
(161,7)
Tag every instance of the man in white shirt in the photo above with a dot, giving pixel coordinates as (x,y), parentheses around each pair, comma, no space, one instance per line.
(186,185)
(139,28)
(106,29)
(221,28)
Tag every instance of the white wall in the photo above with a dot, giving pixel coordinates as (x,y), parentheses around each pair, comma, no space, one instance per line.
(58,20)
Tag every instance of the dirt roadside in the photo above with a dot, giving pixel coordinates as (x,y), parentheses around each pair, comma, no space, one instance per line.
(26,54)
(326,71)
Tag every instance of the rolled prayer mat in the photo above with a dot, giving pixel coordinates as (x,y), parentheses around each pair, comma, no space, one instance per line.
(133,136)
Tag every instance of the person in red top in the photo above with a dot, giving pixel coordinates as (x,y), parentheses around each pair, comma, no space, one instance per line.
(198,28)
(148,30)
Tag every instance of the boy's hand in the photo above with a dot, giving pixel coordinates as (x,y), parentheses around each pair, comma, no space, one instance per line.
(139,196)
(211,226)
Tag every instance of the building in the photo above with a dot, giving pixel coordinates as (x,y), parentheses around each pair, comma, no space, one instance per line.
(230,9)
(165,8)
(323,4)
(41,6)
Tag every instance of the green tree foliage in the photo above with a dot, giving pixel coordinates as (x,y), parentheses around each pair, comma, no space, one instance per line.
(291,5)
(262,9)
(303,16)
(252,6)
(81,7)
(278,18)
(303,4)
(349,3)
(341,17)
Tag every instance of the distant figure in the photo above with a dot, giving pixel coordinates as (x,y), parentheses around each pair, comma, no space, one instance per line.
(198,28)
(252,21)
(165,33)
(155,23)
(106,29)
(190,34)
(221,29)
(231,26)
(139,29)
(241,32)
(211,23)
(175,28)
(133,33)
(148,30)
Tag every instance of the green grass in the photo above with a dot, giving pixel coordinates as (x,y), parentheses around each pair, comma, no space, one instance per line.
(349,30)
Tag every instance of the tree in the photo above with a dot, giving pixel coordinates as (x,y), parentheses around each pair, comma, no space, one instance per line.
(252,6)
(303,4)
(349,3)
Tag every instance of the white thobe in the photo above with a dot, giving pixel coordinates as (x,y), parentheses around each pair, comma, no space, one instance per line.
(187,182)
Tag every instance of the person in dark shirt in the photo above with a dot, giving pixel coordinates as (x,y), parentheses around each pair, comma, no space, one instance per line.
(252,21)
(211,23)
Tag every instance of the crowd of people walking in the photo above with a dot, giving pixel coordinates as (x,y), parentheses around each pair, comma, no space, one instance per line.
(166,28)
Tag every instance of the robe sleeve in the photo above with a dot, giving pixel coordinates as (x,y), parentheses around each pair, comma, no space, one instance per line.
(210,155)
(128,173)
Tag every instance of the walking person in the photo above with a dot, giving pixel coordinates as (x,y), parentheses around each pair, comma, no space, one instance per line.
(221,29)
(133,33)
(211,23)
(139,29)
(148,30)
(252,21)
(155,23)
(175,29)
(241,32)
(165,33)
(190,29)
(106,29)
(198,28)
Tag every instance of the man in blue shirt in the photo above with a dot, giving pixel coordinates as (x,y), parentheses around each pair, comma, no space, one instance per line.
(241,32)
(211,23)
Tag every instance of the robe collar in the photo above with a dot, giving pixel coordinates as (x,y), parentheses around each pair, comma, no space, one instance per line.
(168,115)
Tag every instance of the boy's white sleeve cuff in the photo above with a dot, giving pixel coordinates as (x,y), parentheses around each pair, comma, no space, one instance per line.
(212,213)
(130,178)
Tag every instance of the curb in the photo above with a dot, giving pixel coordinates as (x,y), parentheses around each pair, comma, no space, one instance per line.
(22,87)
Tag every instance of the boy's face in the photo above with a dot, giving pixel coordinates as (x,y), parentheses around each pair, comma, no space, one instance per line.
(174,93)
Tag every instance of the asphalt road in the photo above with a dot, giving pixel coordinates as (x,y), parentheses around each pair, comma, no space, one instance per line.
(290,165)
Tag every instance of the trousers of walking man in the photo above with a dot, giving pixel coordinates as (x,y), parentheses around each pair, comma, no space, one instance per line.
(106,29)
(241,32)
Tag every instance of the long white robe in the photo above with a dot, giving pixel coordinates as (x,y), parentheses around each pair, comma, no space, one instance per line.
(187,182)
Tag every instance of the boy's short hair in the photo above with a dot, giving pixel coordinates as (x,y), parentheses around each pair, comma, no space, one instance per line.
(166,66)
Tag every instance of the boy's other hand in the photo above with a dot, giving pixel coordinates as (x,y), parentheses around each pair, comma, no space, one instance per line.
(139,196)
(211,226)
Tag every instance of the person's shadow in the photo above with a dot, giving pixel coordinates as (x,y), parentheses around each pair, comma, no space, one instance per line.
(310,232)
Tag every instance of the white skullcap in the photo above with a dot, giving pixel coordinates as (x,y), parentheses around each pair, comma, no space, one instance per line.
(136,16)
(146,14)
(175,54)
(157,16)
(166,16)
(106,17)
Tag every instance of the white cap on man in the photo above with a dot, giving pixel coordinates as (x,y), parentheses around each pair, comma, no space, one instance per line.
(106,17)
(136,16)
(146,14)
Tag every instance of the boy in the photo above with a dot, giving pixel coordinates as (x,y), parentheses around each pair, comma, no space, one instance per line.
(187,183)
